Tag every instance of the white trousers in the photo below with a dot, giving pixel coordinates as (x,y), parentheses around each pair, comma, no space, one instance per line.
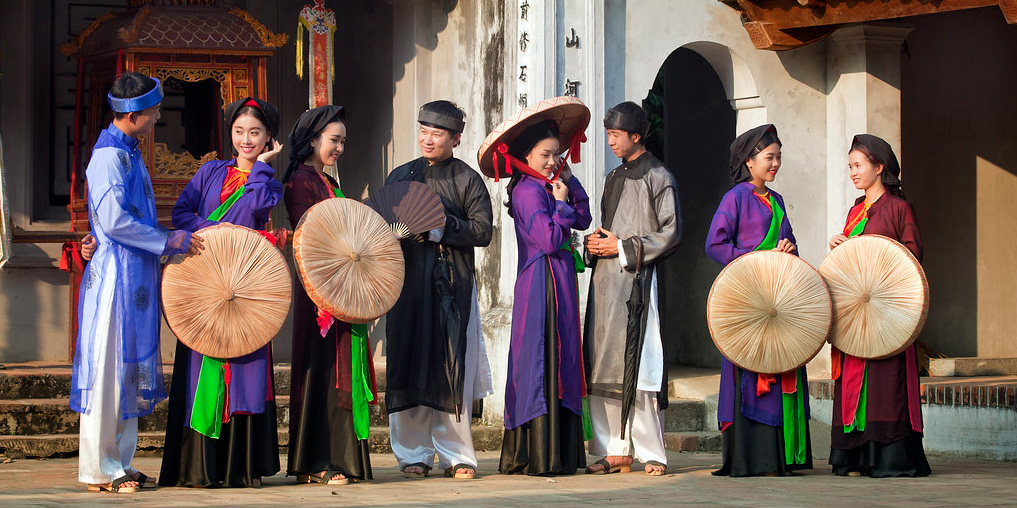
(644,433)
(107,442)
(418,434)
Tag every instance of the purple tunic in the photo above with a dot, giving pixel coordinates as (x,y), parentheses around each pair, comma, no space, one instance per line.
(543,225)
(738,227)
(249,384)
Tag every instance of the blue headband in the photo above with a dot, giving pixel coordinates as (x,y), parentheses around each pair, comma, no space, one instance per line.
(139,103)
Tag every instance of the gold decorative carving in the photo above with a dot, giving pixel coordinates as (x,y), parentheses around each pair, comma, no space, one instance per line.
(195,74)
(130,35)
(162,189)
(169,164)
(239,75)
(71,48)
(192,74)
(272,40)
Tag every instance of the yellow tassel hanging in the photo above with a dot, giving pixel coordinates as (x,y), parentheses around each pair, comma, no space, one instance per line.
(300,49)
(331,57)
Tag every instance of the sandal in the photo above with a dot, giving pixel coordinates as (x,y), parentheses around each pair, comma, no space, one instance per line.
(114,487)
(143,480)
(453,472)
(424,468)
(654,472)
(608,468)
(326,478)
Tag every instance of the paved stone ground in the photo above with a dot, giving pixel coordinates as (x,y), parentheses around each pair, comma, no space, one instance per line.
(955,482)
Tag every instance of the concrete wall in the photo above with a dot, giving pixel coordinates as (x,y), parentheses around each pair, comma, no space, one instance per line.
(959,125)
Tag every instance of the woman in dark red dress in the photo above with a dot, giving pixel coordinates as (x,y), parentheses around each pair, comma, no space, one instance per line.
(877,416)
(324,446)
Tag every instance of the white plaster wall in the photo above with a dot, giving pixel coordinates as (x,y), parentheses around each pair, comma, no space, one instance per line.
(791,88)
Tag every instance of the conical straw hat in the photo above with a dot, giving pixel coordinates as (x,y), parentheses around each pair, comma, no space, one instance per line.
(231,298)
(880,296)
(769,312)
(349,261)
(569,113)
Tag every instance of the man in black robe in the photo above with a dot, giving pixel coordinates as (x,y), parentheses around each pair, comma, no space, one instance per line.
(437,364)
(624,355)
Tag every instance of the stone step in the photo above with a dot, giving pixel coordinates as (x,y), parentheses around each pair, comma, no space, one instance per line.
(27,417)
(684,415)
(53,381)
(485,438)
(702,441)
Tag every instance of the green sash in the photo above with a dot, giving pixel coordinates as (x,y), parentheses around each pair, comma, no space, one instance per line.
(580,267)
(210,394)
(793,404)
(209,397)
(226,205)
(577,258)
(773,235)
(361,389)
(794,423)
(863,394)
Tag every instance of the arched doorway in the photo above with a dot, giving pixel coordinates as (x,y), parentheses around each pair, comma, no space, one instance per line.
(692,126)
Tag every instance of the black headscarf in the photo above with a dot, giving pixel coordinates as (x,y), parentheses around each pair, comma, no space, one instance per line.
(269,111)
(308,126)
(743,147)
(883,154)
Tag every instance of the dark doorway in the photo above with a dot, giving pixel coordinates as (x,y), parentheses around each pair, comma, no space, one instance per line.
(692,126)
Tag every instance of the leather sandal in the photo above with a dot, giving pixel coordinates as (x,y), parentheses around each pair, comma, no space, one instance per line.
(114,487)
(608,468)
(326,478)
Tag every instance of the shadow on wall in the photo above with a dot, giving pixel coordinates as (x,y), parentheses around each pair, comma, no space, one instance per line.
(958,152)
(34,303)
(692,126)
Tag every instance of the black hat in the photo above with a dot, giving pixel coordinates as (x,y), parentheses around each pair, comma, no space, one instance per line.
(308,126)
(628,117)
(884,155)
(269,111)
(743,147)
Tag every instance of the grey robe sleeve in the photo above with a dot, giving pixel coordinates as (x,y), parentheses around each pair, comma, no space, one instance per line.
(669,231)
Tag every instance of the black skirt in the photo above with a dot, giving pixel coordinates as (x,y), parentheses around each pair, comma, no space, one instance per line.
(551,444)
(246,451)
(904,457)
(321,430)
(751,448)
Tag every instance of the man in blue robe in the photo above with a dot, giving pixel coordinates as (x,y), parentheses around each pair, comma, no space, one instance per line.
(117,375)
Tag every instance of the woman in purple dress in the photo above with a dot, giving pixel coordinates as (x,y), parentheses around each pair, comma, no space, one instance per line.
(202,450)
(544,393)
(324,446)
(763,417)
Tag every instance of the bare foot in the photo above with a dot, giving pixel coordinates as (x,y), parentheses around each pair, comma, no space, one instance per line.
(654,469)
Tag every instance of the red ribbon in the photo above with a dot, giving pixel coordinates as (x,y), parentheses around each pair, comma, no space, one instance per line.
(788,382)
(70,258)
(572,154)
(226,377)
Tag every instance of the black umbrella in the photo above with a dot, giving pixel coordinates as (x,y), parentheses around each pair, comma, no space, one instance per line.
(450,321)
(635,331)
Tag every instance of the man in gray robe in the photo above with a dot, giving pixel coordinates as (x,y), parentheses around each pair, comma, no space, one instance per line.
(624,356)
